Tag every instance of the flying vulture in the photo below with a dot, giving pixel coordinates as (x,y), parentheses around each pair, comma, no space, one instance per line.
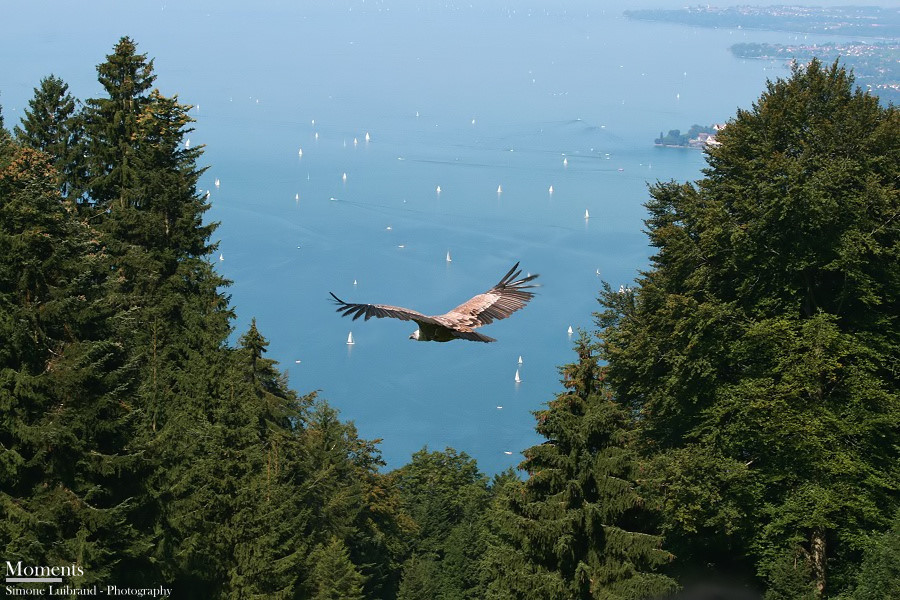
(499,302)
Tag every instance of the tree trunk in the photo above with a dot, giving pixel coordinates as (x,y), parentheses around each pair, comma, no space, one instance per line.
(817,555)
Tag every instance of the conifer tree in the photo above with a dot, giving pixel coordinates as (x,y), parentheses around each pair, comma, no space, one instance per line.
(758,349)
(334,576)
(143,188)
(446,496)
(174,317)
(346,497)
(70,474)
(52,124)
(111,123)
(235,522)
(577,528)
(422,580)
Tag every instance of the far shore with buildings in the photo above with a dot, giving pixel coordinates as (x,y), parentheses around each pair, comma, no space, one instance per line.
(698,136)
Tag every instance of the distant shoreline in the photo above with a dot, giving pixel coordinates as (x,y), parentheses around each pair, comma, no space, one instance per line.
(697,137)
(869,21)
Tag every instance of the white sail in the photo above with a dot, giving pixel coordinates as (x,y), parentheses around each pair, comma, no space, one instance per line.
(350,339)
(518,379)
(570,330)
(448,257)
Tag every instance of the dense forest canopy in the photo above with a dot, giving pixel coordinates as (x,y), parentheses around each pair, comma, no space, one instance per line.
(733,417)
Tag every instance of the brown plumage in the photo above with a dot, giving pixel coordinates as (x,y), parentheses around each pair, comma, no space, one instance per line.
(499,302)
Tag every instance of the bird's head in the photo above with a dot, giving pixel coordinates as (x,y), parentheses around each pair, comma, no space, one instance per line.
(414,335)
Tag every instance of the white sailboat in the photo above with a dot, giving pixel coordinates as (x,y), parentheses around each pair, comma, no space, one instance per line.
(350,341)
(587,215)
(518,379)
(217,182)
(499,189)
(520,359)
(570,330)
(448,257)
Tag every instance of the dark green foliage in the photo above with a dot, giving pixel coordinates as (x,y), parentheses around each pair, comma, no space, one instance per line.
(233,525)
(134,441)
(879,575)
(350,498)
(112,123)
(53,126)
(69,472)
(334,575)
(421,580)
(759,350)
(446,496)
(4,138)
(577,527)
(790,578)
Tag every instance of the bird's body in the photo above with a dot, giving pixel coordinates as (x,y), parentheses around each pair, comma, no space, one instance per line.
(499,302)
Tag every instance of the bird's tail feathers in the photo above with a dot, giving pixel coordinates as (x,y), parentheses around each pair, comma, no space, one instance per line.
(472,336)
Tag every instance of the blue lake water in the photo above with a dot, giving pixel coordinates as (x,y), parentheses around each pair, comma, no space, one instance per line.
(517,95)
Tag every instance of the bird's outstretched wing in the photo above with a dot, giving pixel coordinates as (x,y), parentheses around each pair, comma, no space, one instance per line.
(380,311)
(499,302)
